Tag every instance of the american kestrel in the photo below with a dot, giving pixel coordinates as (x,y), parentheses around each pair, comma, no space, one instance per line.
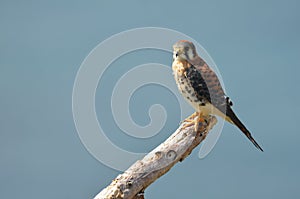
(201,87)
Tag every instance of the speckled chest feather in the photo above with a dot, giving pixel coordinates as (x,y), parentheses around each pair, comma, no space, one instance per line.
(194,89)
(187,80)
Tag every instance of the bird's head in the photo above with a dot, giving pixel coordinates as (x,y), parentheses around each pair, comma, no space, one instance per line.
(184,50)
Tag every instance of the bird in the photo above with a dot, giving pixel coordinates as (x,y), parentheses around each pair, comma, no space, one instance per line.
(200,86)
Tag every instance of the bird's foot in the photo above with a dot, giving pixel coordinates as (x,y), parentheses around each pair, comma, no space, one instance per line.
(200,123)
(196,120)
(190,119)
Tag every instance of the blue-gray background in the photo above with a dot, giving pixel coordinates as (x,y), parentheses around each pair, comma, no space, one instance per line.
(42,44)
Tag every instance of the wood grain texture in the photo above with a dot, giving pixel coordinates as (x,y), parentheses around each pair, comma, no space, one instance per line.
(133,182)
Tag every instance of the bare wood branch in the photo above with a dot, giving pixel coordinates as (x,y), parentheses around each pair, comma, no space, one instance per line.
(132,183)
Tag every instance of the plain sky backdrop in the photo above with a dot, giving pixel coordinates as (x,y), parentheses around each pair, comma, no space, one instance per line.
(255,44)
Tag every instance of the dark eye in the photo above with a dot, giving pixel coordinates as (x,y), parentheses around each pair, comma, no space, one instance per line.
(176,55)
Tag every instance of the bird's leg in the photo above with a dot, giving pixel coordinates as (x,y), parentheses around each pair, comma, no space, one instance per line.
(191,118)
(195,119)
(189,121)
(199,120)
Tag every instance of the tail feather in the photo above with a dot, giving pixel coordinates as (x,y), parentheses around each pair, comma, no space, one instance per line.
(235,120)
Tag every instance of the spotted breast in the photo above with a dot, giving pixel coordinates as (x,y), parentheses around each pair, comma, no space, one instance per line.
(180,69)
(188,79)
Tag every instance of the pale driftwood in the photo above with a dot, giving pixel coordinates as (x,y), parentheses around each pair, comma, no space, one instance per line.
(133,182)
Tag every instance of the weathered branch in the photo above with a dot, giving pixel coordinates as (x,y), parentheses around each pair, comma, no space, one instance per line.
(132,183)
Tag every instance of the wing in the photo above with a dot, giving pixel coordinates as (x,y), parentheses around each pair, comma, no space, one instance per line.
(207,85)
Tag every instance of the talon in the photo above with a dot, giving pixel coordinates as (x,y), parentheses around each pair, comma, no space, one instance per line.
(190,119)
(199,122)
(206,121)
(186,120)
(187,125)
(195,119)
